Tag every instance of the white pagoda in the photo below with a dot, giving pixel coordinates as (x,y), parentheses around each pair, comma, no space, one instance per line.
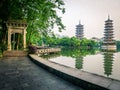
(79,31)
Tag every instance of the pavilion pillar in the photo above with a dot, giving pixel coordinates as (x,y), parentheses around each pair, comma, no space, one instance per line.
(9,40)
(24,39)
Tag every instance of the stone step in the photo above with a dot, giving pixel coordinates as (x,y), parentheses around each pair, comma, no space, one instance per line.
(15,53)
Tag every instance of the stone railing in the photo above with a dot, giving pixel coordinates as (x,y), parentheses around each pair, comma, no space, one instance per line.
(48,50)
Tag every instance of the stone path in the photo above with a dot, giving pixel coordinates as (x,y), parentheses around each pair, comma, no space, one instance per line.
(19,73)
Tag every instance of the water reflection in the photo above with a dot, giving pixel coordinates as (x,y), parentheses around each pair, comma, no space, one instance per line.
(105,63)
(78,54)
(108,62)
(75,53)
(49,56)
(79,62)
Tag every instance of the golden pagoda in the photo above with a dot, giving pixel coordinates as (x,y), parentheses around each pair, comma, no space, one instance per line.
(108,41)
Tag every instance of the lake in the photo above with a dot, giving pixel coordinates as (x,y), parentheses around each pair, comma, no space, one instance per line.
(94,61)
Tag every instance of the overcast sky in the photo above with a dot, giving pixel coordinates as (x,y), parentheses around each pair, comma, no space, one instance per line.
(92,14)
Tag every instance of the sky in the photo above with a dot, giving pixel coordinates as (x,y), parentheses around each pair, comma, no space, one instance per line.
(92,14)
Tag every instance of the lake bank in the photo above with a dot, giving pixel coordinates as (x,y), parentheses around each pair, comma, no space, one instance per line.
(78,77)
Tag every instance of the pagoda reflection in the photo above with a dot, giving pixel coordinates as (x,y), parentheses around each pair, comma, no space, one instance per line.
(108,62)
(79,62)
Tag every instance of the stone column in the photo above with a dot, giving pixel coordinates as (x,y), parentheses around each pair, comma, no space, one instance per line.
(9,40)
(24,39)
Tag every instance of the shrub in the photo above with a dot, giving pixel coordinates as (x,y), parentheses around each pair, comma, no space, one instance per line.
(32,49)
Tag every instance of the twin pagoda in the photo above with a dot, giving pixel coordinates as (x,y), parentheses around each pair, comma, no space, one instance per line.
(79,31)
(108,41)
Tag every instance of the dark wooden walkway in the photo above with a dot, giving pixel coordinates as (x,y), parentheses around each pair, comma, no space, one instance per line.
(20,73)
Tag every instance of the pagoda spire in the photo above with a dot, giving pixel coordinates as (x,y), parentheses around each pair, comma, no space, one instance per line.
(79,22)
(108,17)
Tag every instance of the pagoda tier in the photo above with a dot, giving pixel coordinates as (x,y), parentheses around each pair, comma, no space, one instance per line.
(108,27)
(108,32)
(108,40)
(109,35)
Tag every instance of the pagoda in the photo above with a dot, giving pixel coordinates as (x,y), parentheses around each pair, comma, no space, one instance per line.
(79,31)
(108,42)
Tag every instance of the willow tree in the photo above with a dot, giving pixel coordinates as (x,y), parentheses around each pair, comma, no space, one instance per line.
(41,16)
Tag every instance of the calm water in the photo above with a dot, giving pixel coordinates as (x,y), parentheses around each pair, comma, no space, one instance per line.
(102,63)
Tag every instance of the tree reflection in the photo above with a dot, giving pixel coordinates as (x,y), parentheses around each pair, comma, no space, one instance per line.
(78,54)
(51,55)
(108,62)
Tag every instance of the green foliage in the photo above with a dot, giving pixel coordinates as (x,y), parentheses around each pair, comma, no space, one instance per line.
(87,43)
(75,42)
(71,42)
(65,41)
(41,16)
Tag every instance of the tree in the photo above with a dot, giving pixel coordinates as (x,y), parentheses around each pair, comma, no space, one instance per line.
(41,16)
(75,42)
(65,41)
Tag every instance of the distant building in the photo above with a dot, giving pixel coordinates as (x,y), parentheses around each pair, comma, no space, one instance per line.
(79,31)
(95,39)
(108,41)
